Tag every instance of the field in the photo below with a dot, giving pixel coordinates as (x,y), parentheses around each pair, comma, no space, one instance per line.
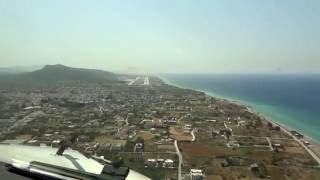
(24,137)
(178,134)
(166,148)
(146,135)
(108,139)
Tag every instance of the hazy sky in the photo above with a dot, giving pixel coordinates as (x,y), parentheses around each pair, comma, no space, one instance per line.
(163,35)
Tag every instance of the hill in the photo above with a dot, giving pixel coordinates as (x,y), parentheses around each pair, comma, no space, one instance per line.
(62,73)
(52,74)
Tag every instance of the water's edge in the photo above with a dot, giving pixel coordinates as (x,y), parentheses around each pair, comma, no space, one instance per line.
(251,105)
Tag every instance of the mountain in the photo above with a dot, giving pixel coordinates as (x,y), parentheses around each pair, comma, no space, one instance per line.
(61,73)
(52,74)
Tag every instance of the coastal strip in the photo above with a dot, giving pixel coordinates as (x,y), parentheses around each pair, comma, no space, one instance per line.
(313,148)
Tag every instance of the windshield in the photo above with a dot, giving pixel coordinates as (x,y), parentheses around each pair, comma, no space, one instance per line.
(184,89)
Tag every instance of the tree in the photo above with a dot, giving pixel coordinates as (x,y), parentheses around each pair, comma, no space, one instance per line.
(117,162)
(228,134)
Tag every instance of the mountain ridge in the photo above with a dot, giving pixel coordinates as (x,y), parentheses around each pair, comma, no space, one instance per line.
(52,74)
(60,72)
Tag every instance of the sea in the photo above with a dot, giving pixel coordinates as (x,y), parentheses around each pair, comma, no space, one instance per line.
(292,100)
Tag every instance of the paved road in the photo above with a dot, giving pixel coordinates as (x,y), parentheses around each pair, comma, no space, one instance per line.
(270,144)
(315,157)
(193,136)
(146,81)
(126,120)
(133,81)
(180,159)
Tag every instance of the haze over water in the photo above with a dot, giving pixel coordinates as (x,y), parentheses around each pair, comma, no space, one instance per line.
(292,100)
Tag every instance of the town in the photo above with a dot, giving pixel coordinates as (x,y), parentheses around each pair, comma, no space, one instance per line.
(159,130)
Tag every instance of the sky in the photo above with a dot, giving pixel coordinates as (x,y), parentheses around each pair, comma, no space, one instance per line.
(163,36)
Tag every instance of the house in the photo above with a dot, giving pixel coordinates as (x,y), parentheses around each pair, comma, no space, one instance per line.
(32,107)
(169,163)
(233,144)
(227,132)
(305,142)
(196,174)
(138,147)
(278,147)
(297,134)
(214,134)
(211,120)
(150,163)
(241,123)
(55,143)
(260,170)
(187,128)
(165,140)
(170,121)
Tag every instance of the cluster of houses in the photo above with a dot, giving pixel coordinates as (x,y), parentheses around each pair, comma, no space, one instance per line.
(159,163)
(301,137)
(165,140)
(170,121)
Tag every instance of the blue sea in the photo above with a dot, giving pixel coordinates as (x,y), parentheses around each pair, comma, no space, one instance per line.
(292,100)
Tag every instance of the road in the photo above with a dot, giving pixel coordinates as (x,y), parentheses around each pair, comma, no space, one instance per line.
(126,120)
(270,144)
(182,117)
(133,81)
(193,136)
(180,159)
(225,125)
(315,157)
(146,81)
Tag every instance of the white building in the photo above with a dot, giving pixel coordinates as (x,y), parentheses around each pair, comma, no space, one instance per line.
(196,174)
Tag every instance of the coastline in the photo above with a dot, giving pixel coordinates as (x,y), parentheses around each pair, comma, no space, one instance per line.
(315,148)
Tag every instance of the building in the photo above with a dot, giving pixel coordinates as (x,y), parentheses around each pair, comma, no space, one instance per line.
(138,147)
(150,163)
(241,123)
(196,174)
(169,163)
(187,128)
